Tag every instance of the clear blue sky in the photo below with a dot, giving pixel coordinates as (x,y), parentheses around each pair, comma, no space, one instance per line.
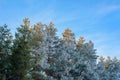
(96,20)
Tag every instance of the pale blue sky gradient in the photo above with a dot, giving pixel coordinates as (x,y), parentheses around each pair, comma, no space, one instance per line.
(96,20)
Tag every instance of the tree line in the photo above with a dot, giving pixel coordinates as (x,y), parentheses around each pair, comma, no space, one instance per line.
(37,53)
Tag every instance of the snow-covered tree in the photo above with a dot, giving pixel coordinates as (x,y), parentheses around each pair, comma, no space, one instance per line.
(113,68)
(101,70)
(86,61)
(46,53)
(53,46)
(5,52)
(108,69)
(68,54)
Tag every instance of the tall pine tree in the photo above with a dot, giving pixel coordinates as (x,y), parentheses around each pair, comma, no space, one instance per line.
(21,51)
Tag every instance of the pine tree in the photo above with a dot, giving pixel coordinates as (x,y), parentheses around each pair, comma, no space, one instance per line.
(68,54)
(21,51)
(46,51)
(80,66)
(113,68)
(108,69)
(5,52)
(52,51)
(38,51)
(86,60)
(101,70)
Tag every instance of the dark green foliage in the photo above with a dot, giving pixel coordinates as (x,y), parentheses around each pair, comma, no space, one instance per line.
(5,51)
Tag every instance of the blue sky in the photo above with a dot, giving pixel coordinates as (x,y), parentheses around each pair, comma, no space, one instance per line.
(96,20)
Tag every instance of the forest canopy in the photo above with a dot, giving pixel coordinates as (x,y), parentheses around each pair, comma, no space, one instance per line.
(37,53)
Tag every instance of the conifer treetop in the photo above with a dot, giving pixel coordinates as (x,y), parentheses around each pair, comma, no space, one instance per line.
(26,22)
(101,58)
(81,40)
(68,35)
(38,26)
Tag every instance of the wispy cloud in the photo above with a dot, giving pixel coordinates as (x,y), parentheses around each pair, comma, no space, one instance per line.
(104,10)
(64,19)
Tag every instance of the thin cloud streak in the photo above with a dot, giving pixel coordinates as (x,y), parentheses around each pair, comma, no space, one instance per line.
(107,9)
